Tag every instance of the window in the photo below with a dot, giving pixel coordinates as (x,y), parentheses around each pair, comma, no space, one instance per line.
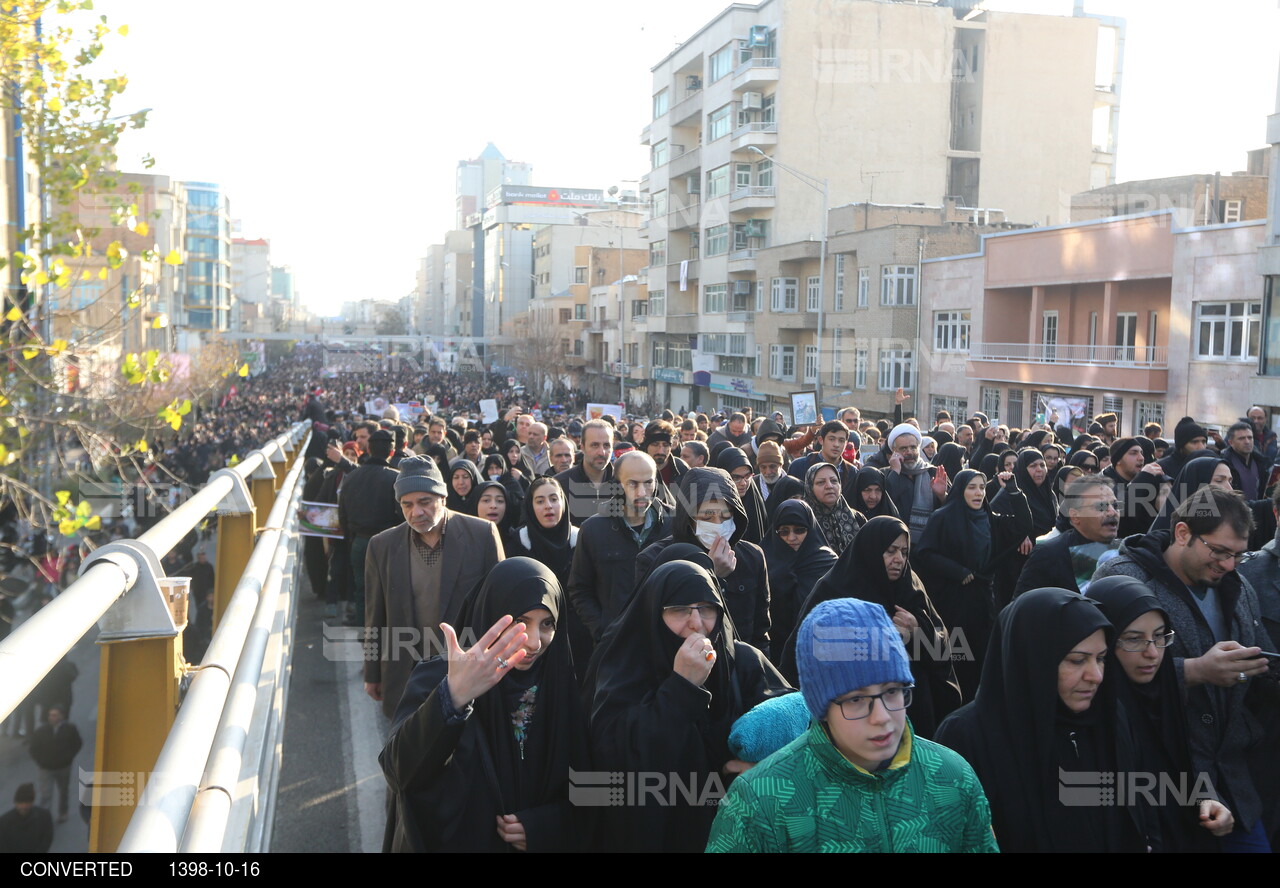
(579,312)
(897,368)
(837,356)
(950,331)
(658,302)
(718,240)
(580,274)
(991,403)
(658,253)
(719,123)
(720,64)
(738,366)
(1126,336)
(1014,419)
(1153,327)
(1049,336)
(1227,330)
(1231,210)
(898,285)
(566,347)
(695,241)
(810,363)
(784,292)
(957,407)
(713,297)
(860,368)
(864,286)
(1148,411)
(659,154)
(742,175)
(639,309)
(839,282)
(658,204)
(764,173)
(661,102)
(86,294)
(565,315)
(1113,404)
(718,182)
(813,293)
(782,362)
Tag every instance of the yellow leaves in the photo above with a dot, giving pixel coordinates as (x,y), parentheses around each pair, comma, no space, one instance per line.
(143,229)
(4,402)
(102,274)
(141,446)
(174,412)
(13,315)
(116,254)
(54,104)
(244,370)
(7,456)
(174,258)
(234,461)
(57,347)
(72,519)
(40,278)
(94,523)
(63,497)
(67,527)
(160,322)
(30,352)
(123,30)
(86,275)
(135,299)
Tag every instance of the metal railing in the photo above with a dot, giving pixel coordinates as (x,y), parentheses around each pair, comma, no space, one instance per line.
(1146,357)
(748,191)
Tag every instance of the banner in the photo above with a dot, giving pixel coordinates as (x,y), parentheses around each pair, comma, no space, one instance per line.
(319,520)
(596,411)
(489,410)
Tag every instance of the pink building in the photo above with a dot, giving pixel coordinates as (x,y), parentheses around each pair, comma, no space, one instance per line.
(1137,315)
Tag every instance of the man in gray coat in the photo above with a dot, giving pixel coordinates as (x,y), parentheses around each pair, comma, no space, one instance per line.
(416,575)
(1215,615)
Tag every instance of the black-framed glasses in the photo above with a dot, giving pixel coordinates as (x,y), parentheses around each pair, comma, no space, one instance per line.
(736,476)
(1218,553)
(684,611)
(787,530)
(1138,645)
(893,700)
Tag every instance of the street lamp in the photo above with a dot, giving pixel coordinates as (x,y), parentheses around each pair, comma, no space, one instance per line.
(821,186)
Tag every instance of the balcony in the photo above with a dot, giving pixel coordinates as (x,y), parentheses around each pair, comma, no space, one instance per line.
(741,317)
(797,320)
(760,134)
(601,326)
(754,73)
(683,164)
(673,271)
(742,261)
(1122,368)
(688,107)
(644,134)
(798,251)
(753,197)
(682,324)
(683,217)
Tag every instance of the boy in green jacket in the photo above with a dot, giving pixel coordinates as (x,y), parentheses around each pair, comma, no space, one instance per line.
(858,779)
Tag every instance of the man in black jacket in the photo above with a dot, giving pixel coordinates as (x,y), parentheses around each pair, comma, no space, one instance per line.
(1069,560)
(367,506)
(603,577)
(589,486)
(26,829)
(832,438)
(1136,481)
(706,502)
(54,746)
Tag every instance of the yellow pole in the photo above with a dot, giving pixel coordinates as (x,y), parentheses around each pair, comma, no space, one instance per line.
(263,491)
(235,545)
(138,694)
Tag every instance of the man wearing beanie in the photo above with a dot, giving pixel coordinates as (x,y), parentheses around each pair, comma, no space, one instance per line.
(858,779)
(416,576)
(1136,480)
(26,829)
(1189,437)
(776,486)
(366,507)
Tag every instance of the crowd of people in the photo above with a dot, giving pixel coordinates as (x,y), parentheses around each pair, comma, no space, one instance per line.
(700,605)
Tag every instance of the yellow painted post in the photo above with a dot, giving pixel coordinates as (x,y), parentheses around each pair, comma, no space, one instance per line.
(138,699)
(263,491)
(235,545)
(280,469)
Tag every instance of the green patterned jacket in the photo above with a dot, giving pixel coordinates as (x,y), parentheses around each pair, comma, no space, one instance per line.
(808,797)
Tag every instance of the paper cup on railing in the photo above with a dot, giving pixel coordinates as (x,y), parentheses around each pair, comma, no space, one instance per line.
(177,593)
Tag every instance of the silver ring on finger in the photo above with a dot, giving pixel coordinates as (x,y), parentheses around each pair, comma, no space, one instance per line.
(503,663)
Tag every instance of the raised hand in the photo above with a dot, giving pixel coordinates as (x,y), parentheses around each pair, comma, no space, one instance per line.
(473,672)
(694,659)
(939,484)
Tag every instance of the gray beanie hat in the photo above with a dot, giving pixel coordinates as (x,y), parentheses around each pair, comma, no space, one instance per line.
(419,474)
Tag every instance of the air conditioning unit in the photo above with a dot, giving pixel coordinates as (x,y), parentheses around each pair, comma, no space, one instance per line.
(752,101)
(742,288)
(754,228)
(693,81)
(759,35)
(693,184)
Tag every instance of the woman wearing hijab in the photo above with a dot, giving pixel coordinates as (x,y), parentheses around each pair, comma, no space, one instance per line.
(517,463)
(950,457)
(1064,475)
(1006,461)
(492,504)
(1196,473)
(547,536)
(1033,480)
(1147,687)
(483,740)
(440,454)
(869,494)
(1042,712)
(736,463)
(666,683)
(877,568)
(839,523)
(496,468)
(464,478)
(797,556)
(962,548)
(1086,460)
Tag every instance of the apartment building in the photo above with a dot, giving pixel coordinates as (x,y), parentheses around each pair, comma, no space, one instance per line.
(1264,386)
(772,113)
(1144,315)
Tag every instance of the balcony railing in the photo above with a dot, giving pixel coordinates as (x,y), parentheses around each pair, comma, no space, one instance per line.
(1153,357)
(753,191)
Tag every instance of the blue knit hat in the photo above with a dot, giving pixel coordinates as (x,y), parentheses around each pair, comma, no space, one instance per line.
(844,645)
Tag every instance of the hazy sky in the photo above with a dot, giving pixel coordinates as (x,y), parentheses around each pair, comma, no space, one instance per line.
(335,128)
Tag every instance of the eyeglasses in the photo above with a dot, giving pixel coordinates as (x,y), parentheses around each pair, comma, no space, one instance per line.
(740,476)
(1138,645)
(684,611)
(1218,553)
(786,531)
(893,700)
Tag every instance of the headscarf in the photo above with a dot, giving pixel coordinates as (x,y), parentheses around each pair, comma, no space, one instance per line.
(1017,733)
(1080,457)
(793,572)
(455,502)
(731,458)
(870,476)
(951,458)
(508,517)
(1040,497)
(840,523)
(860,573)
(440,454)
(1197,472)
(550,546)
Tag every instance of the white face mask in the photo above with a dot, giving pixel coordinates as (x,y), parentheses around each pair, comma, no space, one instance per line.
(494,476)
(707,531)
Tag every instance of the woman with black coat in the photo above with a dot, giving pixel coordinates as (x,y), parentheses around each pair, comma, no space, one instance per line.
(839,521)
(482,742)
(736,463)
(1033,480)
(462,481)
(517,485)
(796,562)
(962,548)
(877,568)
(870,496)
(666,683)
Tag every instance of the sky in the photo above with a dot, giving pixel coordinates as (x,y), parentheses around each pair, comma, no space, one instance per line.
(335,129)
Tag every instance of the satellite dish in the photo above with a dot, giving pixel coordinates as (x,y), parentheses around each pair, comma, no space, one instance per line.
(613,190)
